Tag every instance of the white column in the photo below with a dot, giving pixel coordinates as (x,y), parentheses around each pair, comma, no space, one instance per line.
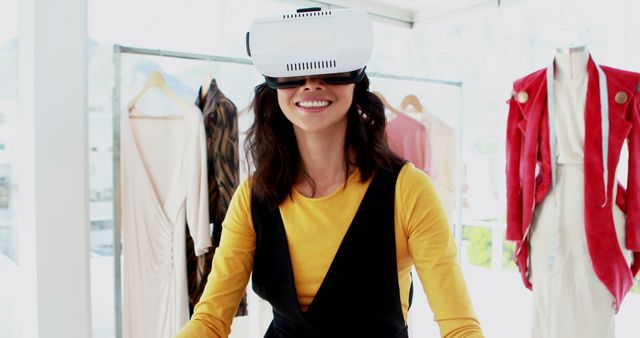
(53,210)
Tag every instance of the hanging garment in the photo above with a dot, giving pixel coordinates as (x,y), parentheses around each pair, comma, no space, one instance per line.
(409,139)
(163,186)
(443,156)
(532,171)
(221,127)
(568,298)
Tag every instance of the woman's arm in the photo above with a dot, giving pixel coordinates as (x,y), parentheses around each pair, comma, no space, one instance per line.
(232,265)
(433,252)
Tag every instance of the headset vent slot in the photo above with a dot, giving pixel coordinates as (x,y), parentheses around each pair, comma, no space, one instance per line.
(306,15)
(320,64)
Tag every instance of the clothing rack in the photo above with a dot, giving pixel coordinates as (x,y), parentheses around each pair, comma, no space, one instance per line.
(203,57)
(118,50)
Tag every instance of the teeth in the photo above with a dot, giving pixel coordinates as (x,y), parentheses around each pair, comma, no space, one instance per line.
(313,104)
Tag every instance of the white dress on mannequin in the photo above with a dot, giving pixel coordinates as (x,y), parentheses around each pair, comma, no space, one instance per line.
(568,298)
(163,187)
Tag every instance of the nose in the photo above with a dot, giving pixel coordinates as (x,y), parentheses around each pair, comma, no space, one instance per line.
(314,83)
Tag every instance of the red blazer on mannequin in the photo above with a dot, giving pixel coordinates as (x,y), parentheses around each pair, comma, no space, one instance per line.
(528,171)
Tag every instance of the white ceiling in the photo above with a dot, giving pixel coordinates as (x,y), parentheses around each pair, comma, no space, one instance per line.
(413,11)
(415,5)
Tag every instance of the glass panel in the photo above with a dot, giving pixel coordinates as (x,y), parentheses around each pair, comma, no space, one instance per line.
(8,129)
(9,259)
(485,48)
(488,49)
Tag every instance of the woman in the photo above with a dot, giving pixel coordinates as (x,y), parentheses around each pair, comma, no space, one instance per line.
(331,222)
(318,149)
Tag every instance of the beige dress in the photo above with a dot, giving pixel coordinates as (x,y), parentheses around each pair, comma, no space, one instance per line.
(443,157)
(163,186)
(568,298)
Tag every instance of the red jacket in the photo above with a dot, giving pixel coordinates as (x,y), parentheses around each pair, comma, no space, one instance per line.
(528,150)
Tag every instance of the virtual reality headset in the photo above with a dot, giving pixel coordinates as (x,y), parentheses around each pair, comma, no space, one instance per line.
(334,45)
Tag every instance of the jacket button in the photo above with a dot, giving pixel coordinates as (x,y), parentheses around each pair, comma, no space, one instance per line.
(522,97)
(621,97)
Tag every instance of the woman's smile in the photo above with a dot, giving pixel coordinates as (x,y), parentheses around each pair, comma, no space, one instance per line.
(313,105)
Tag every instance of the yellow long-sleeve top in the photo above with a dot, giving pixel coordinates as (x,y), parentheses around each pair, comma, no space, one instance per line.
(315,228)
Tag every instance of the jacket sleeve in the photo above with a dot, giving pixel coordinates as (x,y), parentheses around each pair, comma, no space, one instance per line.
(633,183)
(514,193)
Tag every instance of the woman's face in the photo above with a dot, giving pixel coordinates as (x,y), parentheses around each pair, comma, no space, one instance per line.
(317,107)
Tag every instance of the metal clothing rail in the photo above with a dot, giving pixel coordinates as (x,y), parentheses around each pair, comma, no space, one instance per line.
(415,79)
(192,56)
(118,50)
(180,55)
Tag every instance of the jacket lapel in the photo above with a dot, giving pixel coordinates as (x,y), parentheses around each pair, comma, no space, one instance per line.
(608,262)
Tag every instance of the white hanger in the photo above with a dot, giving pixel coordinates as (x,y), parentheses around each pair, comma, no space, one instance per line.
(205,87)
(246,109)
(412,101)
(387,105)
(155,80)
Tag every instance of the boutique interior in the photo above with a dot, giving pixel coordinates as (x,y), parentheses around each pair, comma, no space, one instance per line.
(76,75)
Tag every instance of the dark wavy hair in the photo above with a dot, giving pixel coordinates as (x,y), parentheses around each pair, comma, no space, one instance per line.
(271,144)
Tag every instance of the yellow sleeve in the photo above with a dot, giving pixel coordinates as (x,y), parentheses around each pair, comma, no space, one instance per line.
(232,266)
(433,252)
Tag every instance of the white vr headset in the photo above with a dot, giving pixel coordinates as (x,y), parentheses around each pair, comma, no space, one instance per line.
(332,44)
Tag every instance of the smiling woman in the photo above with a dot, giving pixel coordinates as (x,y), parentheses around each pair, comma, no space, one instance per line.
(331,218)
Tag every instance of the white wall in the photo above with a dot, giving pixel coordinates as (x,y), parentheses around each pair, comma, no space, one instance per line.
(53,204)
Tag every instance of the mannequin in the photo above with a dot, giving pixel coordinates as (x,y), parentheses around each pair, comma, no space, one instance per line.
(570,84)
(573,249)
(554,237)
